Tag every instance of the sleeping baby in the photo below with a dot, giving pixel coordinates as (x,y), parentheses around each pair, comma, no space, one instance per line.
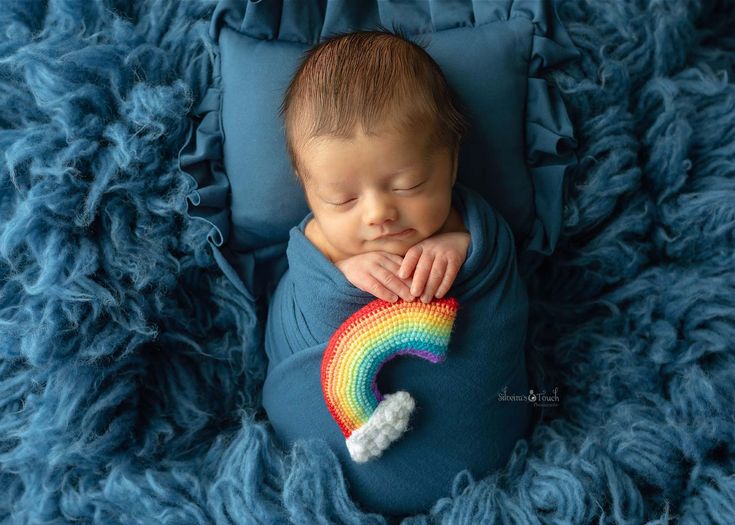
(377,162)
(373,135)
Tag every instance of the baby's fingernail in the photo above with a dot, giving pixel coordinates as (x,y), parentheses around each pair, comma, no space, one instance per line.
(425,299)
(393,298)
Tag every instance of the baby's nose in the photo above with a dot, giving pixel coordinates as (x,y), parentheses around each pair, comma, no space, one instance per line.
(380,215)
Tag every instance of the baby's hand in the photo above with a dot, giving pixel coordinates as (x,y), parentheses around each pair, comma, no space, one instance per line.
(377,273)
(436,261)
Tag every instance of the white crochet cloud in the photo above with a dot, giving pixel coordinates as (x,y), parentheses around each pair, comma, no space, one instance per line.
(386,424)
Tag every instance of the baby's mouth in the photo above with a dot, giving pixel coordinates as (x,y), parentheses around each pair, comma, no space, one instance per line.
(398,235)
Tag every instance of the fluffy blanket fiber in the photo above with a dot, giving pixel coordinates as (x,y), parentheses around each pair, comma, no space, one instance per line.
(127,394)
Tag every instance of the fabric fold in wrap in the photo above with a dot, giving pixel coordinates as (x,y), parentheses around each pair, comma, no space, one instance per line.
(460,422)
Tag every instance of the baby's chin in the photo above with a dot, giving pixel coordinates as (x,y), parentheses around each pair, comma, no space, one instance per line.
(396,247)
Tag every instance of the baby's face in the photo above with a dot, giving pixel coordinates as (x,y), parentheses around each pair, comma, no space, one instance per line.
(384,192)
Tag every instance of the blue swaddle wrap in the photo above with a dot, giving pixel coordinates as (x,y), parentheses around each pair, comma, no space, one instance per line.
(459,422)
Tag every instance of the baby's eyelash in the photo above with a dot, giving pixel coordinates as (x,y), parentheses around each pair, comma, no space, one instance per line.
(341,203)
(411,188)
(344,203)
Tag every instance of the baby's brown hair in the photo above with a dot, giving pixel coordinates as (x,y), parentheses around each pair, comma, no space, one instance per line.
(372,79)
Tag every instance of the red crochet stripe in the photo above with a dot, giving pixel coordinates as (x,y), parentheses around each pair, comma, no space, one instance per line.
(329,355)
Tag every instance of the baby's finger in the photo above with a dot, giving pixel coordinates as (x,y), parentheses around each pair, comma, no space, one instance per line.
(435,278)
(421,274)
(449,276)
(409,261)
(402,286)
(393,283)
(392,258)
(390,263)
(375,287)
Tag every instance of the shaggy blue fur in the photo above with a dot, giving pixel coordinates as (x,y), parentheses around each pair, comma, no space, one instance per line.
(127,394)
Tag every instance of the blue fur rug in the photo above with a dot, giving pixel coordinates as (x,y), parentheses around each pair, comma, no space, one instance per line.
(128,396)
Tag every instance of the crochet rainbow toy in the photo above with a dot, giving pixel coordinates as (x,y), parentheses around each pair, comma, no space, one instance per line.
(355,354)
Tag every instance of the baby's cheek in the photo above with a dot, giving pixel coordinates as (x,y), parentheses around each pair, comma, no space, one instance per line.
(431,216)
(348,239)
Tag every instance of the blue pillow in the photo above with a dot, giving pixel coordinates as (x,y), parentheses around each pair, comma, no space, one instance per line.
(492,53)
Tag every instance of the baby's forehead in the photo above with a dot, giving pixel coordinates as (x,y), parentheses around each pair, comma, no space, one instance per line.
(398,140)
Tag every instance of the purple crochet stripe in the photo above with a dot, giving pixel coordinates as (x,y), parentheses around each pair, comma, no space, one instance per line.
(424,354)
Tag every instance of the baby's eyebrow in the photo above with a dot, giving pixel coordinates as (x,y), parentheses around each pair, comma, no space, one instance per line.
(392,173)
(336,184)
(407,168)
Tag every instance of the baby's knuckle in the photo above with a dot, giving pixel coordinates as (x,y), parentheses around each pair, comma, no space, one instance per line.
(374,287)
(437,272)
(426,261)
